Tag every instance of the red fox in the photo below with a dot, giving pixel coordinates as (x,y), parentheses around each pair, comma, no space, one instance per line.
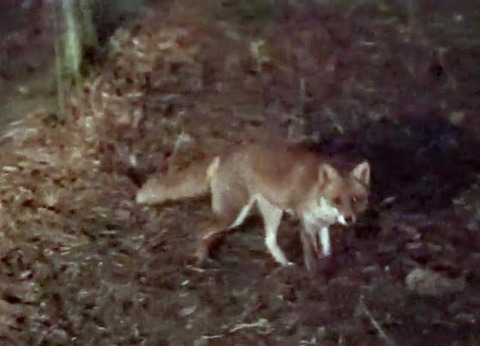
(276,178)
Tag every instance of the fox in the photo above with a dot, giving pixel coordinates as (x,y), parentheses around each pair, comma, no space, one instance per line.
(277,179)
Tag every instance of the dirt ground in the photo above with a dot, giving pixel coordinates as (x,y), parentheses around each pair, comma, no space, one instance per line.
(83,264)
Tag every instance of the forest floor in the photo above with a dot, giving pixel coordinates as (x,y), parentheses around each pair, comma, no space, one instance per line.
(83,264)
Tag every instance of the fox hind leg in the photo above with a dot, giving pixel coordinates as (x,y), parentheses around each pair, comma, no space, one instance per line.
(229,211)
(212,231)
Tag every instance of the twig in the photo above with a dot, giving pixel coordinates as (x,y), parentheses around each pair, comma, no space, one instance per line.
(334,120)
(182,138)
(263,326)
(195,269)
(388,340)
(303,95)
(209,337)
(93,93)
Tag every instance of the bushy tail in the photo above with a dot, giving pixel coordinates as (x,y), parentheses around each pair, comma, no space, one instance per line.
(193,181)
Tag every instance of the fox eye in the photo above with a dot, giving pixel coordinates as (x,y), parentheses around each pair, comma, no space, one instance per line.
(337,200)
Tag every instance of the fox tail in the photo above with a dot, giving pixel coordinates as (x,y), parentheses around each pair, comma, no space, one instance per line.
(192,182)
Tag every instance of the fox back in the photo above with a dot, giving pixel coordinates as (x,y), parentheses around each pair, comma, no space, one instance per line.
(300,181)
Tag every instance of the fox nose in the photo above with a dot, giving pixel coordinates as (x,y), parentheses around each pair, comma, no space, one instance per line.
(349,220)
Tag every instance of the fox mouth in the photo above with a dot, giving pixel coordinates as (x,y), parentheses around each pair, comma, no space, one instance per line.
(345,220)
(327,213)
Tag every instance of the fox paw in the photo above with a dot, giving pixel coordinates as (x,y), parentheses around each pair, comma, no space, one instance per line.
(288,264)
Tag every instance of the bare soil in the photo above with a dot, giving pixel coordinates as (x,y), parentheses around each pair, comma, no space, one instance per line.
(82,264)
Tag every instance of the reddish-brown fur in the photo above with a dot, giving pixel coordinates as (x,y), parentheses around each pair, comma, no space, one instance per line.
(278,178)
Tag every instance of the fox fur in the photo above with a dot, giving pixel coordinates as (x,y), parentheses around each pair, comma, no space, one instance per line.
(277,179)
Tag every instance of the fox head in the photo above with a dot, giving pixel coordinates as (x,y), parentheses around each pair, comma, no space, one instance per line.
(342,197)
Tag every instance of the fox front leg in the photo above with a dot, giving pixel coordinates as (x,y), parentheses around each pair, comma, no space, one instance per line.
(313,237)
(310,243)
(272,217)
(307,249)
(324,239)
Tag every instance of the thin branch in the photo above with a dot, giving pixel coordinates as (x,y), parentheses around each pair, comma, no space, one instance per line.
(381,332)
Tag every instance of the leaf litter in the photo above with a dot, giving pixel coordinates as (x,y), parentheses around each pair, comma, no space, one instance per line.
(83,264)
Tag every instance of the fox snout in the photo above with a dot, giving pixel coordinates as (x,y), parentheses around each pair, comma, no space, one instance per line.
(346,220)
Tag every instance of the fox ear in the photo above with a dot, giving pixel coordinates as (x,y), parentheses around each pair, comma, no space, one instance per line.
(362,173)
(326,173)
